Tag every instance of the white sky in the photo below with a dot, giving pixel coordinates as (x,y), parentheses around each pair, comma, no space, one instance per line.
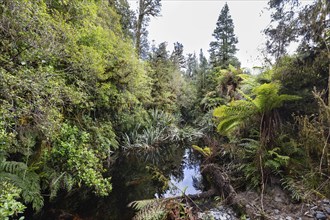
(192,22)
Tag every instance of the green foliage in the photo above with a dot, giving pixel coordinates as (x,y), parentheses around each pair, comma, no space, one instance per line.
(206,151)
(158,177)
(260,156)
(233,115)
(299,75)
(211,100)
(149,209)
(167,80)
(295,187)
(146,9)
(255,158)
(160,129)
(73,91)
(223,87)
(251,162)
(67,77)
(24,179)
(275,161)
(9,206)
(266,99)
(158,209)
(73,154)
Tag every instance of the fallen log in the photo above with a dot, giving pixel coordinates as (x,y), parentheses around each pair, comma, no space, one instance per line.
(220,186)
(219,182)
(197,196)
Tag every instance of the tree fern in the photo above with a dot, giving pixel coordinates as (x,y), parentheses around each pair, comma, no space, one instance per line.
(266,99)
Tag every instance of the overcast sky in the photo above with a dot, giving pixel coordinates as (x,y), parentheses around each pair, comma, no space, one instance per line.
(192,22)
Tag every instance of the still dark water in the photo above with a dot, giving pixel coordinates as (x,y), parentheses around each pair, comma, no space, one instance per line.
(168,172)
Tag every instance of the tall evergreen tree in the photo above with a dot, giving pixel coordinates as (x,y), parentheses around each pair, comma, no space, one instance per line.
(223,49)
(127,16)
(146,9)
(191,65)
(177,55)
(202,71)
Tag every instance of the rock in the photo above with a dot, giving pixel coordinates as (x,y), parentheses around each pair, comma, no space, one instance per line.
(278,199)
(314,208)
(320,215)
(326,201)
(276,211)
(288,218)
(220,213)
(327,209)
(309,214)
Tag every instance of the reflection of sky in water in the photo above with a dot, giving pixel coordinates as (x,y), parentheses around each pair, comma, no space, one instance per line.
(189,172)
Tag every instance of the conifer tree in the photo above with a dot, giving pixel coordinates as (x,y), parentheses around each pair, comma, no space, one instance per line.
(191,65)
(202,70)
(223,49)
(146,9)
(177,55)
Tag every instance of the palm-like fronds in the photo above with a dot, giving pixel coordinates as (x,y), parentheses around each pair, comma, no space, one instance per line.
(266,99)
(233,115)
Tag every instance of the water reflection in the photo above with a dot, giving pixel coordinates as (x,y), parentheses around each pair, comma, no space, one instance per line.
(190,180)
(134,177)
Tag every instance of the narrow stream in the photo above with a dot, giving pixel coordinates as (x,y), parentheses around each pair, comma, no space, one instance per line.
(133,178)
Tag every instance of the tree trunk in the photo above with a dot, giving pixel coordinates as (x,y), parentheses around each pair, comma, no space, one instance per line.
(139,28)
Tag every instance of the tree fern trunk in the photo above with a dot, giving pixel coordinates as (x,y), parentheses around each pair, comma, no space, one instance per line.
(328,158)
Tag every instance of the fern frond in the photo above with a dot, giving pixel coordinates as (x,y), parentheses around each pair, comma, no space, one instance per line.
(227,125)
(26,179)
(148,209)
(141,204)
(12,167)
(233,115)
(267,97)
(156,213)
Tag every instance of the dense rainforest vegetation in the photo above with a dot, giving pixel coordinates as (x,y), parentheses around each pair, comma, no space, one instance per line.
(83,92)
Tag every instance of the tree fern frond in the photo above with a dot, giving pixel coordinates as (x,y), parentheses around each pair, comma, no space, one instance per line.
(267,97)
(233,115)
(140,204)
(229,124)
(156,213)
(148,209)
